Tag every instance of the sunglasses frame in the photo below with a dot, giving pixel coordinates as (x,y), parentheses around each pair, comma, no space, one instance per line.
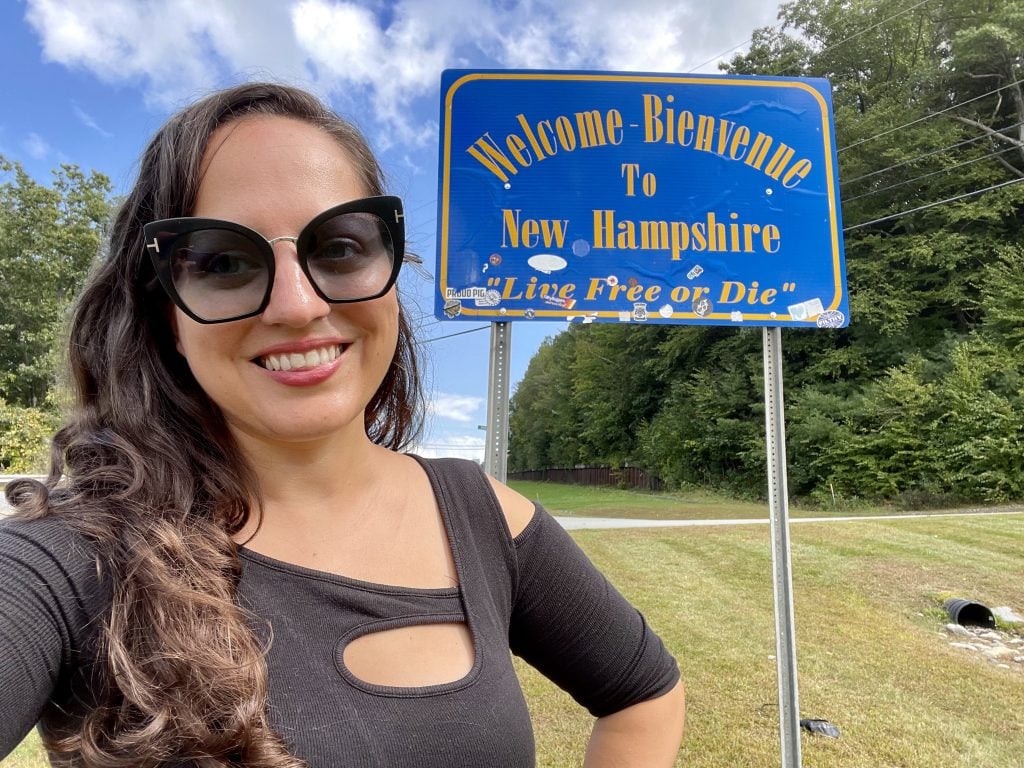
(160,234)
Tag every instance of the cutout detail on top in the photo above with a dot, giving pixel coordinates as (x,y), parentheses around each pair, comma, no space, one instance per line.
(411,657)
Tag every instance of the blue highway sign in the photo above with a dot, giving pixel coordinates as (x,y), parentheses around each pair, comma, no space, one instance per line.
(639,198)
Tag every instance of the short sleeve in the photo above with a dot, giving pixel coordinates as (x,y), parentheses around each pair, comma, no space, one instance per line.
(571,624)
(50,592)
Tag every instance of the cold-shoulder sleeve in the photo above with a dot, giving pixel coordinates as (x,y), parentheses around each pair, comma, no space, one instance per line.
(571,624)
(50,596)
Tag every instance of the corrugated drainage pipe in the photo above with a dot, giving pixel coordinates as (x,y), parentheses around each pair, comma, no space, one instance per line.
(969,613)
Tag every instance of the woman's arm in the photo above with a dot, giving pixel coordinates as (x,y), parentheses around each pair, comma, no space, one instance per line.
(645,735)
(579,632)
(50,593)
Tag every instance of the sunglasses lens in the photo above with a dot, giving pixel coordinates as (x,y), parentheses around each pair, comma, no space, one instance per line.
(350,256)
(218,273)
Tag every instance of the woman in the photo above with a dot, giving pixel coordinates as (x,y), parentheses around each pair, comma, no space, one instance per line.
(240,567)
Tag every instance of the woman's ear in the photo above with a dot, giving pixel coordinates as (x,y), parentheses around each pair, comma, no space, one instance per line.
(172,321)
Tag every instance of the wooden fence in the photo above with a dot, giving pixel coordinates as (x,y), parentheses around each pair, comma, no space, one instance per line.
(621,477)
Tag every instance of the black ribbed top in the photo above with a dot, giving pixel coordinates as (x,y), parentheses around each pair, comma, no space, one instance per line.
(537,595)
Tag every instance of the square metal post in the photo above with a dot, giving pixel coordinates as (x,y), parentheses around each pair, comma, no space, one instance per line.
(496,449)
(778,496)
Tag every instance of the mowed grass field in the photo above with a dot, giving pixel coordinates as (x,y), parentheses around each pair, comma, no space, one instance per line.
(873,656)
(693,504)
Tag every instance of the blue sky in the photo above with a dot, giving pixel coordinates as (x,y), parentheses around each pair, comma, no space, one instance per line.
(88,81)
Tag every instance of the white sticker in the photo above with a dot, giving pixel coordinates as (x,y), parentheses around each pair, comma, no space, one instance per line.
(547,263)
(736,316)
(831,318)
(697,271)
(806,310)
(468,293)
(666,311)
(491,299)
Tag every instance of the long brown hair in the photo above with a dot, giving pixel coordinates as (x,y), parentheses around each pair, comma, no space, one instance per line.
(153,477)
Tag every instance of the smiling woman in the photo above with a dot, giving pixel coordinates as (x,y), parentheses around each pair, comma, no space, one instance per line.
(231,562)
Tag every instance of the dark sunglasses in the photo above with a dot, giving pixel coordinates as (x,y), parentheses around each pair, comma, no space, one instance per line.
(218,271)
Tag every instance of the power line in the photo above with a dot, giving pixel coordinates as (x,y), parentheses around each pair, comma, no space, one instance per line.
(933,173)
(452,335)
(720,55)
(866,29)
(926,117)
(823,50)
(932,205)
(928,154)
(473,447)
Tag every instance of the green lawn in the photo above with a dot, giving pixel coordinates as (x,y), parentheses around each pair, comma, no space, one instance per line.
(873,656)
(696,504)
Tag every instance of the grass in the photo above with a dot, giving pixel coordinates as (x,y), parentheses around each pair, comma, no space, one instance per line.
(597,501)
(694,504)
(873,656)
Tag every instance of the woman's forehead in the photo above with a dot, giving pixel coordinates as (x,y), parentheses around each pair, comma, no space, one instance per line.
(261,164)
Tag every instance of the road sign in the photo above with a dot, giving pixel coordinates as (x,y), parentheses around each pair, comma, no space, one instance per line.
(639,198)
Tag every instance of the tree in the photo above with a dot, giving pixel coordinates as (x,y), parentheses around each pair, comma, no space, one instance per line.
(543,423)
(49,238)
(920,398)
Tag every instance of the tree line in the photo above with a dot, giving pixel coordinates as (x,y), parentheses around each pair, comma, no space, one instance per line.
(921,399)
(50,237)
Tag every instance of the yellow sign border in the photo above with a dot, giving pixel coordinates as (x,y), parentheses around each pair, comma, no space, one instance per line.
(490,314)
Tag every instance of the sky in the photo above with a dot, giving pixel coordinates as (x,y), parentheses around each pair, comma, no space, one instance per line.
(87,82)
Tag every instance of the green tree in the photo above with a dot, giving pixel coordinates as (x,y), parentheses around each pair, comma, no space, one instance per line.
(49,238)
(614,389)
(920,398)
(543,423)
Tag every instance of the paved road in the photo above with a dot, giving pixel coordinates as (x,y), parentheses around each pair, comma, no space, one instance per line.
(577,523)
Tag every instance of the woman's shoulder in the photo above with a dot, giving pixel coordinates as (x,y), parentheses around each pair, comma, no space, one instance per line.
(53,551)
(467,477)
(52,532)
(518,509)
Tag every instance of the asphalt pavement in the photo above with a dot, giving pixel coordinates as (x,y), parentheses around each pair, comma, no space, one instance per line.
(580,523)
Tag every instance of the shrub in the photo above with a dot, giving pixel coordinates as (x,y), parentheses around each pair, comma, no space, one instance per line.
(24,436)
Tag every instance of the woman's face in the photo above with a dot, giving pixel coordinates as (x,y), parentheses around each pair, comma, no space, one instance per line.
(274,174)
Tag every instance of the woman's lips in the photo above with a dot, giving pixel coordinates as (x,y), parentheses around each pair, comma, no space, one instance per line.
(298,361)
(302,365)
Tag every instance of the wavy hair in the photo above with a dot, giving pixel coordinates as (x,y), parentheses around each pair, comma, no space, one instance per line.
(146,468)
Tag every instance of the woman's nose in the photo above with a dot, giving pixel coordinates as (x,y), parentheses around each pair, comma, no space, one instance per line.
(293,301)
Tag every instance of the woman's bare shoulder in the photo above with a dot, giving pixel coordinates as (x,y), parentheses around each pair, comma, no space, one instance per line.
(518,509)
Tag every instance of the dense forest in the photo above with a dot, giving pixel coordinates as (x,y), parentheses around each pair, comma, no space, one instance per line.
(921,399)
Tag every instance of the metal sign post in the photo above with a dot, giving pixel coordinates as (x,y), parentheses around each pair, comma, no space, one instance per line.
(496,455)
(778,495)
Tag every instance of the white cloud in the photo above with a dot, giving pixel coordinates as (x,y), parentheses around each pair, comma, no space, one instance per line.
(36,146)
(462,408)
(89,121)
(175,49)
(454,445)
(379,60)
